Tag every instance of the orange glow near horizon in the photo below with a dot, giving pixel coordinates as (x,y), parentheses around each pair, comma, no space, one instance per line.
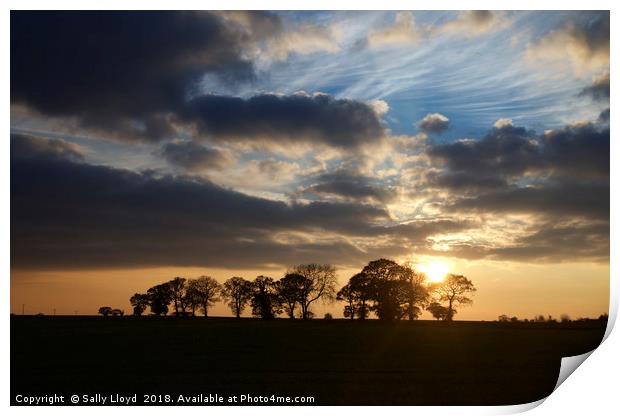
(511,288)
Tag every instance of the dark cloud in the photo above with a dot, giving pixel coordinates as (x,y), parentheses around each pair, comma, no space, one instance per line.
(586,45)
(434,123)
(121,71)
(551,243)
(583,200)
(507,150)
(560,243)
(580,151)
(136,76)
(560,177)
(26,147)
(465,182)
(599,90)
(193,156)
(67,214)
(604,117)
(351,186)
(285,118)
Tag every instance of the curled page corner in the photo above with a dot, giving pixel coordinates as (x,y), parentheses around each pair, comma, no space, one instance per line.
(568,365)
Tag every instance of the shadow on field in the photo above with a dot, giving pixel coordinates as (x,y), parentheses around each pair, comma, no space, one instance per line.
(338,361)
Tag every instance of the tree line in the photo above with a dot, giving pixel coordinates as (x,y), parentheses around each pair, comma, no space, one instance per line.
(383,287)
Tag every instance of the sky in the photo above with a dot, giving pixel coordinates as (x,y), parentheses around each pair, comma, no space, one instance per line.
(149,145)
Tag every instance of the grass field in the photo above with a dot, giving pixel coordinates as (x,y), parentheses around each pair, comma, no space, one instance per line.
(336,362)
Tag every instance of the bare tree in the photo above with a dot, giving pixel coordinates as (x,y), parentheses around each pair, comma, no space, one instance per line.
(204,291)
(453,290)
(319,283)
(238,292)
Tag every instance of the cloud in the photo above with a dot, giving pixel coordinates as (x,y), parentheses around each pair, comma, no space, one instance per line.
(434,123)
(350,186)
(569,200)
(404,31)
(473,23)
(503,151)
(296,118)
(195,157)
(557,183)
(120,70)
(599,89)
(68,214)
(128,75)
(465,182)
(552,242)
(585,47)
(304,39)
(546,242)
(502,122)
(559,177)
(578,152)
(275,169)
(27,147)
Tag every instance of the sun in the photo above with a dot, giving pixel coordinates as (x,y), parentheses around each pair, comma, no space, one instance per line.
(435,270)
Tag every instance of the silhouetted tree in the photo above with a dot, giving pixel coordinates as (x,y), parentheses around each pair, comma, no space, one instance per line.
(347,295)
(290,290)
(387,288)
(564,318)
(105,310)
(178,290)
(453,290)
(415,292)
(437,310)
(357,295)
(140,302)
(503,318)
(160,296)
(204,292)
(319,283)
(192,300)
(238,292)
(265,302)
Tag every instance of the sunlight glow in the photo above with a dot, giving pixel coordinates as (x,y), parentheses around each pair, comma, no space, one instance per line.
(435,271)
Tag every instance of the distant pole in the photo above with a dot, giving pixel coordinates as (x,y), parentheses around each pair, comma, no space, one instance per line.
(54,311)
(23,307)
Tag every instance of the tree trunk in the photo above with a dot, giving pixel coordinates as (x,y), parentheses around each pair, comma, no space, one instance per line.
(450,313)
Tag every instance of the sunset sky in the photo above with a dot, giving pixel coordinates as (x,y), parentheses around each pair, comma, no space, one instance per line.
(150,145)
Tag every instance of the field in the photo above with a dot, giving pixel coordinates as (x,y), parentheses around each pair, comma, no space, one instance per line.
(336,362)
